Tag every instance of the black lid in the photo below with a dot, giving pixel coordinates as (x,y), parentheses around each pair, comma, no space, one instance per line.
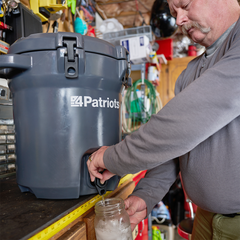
(52,41)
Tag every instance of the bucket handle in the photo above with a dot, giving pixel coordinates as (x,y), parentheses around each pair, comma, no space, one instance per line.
(10,62)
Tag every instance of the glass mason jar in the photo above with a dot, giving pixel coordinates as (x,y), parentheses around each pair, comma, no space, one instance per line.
(111,220)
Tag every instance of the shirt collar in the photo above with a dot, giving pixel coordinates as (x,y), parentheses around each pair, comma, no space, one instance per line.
(211,49)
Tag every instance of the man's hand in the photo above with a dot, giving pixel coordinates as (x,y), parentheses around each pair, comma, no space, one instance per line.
(136,209)
(96,165)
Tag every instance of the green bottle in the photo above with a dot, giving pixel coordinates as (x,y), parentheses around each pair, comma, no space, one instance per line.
(156,234)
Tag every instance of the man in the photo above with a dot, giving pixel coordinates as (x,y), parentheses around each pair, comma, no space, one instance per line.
(199,129)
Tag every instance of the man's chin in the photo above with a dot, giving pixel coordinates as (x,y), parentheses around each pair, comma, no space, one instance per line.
(196,37)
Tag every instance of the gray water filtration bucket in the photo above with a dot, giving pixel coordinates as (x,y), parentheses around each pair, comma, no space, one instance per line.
(65,89)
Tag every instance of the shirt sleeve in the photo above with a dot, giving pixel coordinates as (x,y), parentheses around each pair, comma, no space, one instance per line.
(201,109)
(156,183)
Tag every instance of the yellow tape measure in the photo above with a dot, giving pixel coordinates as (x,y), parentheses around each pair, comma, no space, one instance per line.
(54,228)
(125,178)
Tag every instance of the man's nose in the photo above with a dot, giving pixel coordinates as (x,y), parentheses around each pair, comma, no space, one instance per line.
(181,17)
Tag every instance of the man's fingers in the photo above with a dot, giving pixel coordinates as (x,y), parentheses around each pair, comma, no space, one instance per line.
(102,176)
(137,217)
(131,211)
(136,208)
(106,175)
(92,178)
(96,165)
(95,174)
(126,203)
(93,171)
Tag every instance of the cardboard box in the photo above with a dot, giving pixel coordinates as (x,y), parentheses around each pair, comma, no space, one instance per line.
(138,48)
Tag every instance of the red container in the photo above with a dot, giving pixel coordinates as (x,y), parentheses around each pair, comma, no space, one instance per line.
(165,47)
(192,50)
(142,230)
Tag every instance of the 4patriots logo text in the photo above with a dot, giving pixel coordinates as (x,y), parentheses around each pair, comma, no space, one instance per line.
(86,101)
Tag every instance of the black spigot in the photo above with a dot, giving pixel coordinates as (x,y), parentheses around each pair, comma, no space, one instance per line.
(101,188)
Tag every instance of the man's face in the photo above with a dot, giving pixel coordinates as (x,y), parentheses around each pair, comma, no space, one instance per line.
(195,18)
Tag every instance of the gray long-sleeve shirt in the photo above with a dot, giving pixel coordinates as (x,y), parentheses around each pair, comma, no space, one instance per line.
(200,127)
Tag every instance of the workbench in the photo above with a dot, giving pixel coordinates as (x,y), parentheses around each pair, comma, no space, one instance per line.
(23,216)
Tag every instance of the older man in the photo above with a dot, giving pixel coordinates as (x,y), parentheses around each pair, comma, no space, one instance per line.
(197,132)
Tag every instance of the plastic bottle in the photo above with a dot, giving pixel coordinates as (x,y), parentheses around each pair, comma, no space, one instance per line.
(156,234)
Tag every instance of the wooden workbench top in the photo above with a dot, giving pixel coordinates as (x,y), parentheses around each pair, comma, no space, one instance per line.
(22,213)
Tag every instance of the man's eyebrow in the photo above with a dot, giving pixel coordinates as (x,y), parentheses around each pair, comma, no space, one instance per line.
(172,12)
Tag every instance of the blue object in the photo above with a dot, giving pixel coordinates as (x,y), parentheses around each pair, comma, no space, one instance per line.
(80,26)
(1,10)
(160,211)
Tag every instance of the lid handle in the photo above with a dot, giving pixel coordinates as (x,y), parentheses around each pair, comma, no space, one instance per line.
(71,58)
(11,64)
(70,49)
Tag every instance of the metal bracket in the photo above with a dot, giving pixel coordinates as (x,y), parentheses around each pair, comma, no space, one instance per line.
(127,81)
(71,60)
